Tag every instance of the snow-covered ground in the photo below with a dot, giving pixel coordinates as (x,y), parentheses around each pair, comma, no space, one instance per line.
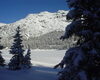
(42,69)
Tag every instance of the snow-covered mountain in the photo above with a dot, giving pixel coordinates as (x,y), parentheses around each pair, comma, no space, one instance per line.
(35,25)
(2,24)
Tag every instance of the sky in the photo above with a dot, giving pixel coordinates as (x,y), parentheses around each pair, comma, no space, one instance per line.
(13,10)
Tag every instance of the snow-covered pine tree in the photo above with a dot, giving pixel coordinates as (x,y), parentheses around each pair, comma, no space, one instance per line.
(82,62)
(27,59)
(17,51)
(2,61)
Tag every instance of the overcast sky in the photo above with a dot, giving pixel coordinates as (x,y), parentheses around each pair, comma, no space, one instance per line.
(13,10)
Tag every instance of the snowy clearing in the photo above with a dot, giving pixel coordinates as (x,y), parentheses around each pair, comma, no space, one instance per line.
(42,69)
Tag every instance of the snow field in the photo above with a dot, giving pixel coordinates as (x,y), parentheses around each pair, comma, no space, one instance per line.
(42,69)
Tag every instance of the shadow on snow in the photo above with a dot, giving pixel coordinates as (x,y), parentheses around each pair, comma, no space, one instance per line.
(34,73)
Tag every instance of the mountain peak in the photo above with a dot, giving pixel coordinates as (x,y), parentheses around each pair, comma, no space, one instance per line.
(37,24)
(48,13)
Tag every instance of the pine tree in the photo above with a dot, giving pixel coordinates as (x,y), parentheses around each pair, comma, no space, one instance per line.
(27,59)
(82,62)
(17,51)
(2,61)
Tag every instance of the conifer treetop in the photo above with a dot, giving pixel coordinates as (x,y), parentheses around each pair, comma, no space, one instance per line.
(17,47)
(85,16)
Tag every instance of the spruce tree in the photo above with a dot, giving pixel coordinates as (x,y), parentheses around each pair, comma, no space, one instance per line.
(27,59)
(2,61)
(82,62)
(17,51)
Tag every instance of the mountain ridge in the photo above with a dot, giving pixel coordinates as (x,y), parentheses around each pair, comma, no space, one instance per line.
(38,24)
(2,24)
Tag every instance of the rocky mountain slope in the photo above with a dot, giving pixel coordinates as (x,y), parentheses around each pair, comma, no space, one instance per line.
(33,26)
